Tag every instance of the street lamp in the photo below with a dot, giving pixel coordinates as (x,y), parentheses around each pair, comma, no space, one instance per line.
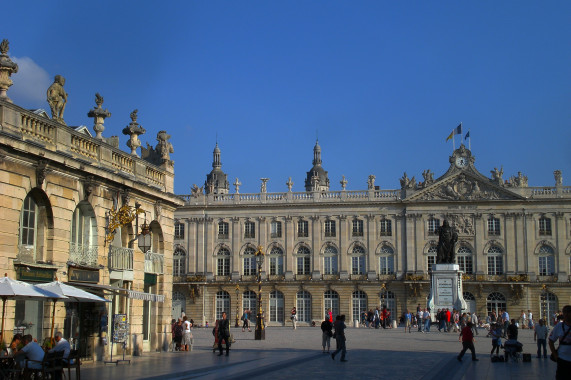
(260,332)
(144,238)
(237,302)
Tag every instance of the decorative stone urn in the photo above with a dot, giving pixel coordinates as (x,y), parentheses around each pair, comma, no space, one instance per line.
(134,130)
(98,114)
(7,68)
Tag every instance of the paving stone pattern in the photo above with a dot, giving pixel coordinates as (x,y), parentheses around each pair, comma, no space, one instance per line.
(296,354)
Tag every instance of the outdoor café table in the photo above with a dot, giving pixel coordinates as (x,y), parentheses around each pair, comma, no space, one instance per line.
(8,367)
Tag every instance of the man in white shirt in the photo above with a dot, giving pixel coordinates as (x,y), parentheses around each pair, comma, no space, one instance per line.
(530,319)
(187,339)
(540,336)
(562,332)
(61,345)
(475,323)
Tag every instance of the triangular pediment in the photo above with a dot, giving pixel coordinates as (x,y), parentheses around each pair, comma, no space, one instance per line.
(461,185)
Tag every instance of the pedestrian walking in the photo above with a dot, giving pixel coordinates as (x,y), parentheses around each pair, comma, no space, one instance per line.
(540,336)
(294,317)
(467,338)
(340,337)
(562,354)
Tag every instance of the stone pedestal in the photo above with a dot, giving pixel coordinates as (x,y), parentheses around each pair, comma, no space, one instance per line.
(446,289)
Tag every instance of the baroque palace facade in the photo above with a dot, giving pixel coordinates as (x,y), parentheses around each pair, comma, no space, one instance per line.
(73,207)
(355,250)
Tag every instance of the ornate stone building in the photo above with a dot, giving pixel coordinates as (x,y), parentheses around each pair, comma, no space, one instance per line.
(73,207)
(355,250)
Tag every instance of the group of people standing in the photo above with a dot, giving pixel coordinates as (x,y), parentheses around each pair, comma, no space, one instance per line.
(181,334)
(378,317)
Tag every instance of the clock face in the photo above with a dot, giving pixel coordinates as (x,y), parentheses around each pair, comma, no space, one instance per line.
(461,162)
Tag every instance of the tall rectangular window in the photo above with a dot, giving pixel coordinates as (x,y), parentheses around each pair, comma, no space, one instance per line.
(433,224)
(386,228)
(493,226)
(357,227)
(545,226)
(330,228)
(249,230)
(276,229)
(179,230)
(222,230)
(302,228)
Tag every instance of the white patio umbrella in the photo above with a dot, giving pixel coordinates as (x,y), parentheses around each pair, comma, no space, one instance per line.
(18,290)
(69,294)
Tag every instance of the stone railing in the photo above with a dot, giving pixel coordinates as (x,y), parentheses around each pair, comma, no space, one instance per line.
(154,262)
(121,258)
(291,197)
(26,125)
(549,192)
(83,254)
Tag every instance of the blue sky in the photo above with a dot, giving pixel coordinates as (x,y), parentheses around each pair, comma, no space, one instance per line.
(381,83)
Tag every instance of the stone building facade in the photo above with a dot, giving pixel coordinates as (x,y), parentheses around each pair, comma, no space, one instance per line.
(355,250)
(72,208)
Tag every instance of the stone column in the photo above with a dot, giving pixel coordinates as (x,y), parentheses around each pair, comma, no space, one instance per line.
(200,246)
(289,243)
(509,242)
(209,245)
(480,261)
(315,246)
(235,236)
(342,262)
(561,260)
(370,239)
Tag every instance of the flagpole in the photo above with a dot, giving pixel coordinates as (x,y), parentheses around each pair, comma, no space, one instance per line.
(469,141)
(453,143)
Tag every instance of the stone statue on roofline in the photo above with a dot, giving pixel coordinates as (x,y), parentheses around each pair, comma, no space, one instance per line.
(161,152)
(57,99)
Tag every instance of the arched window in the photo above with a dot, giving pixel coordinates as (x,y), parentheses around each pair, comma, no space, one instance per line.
(548,307)
(179,262)
(496,302)
(249,302)
(303,306)
(431,258)
(249,261)
(222,304)
(330,260)
(303,261)
(495,260)
(359,299)
(331,298)
(546,261)
(276,306)
(358,260)
(388,300)
(470,301)
(83,242)
(223,262)
(31,227)
(276,261)
(464,259)
(386,260)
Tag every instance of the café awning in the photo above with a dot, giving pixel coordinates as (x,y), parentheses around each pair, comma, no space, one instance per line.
(122,292)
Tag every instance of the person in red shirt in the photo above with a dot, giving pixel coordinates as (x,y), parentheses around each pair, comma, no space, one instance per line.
(467,337)
(448,318)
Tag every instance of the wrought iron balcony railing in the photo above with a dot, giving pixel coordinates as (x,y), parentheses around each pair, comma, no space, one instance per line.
(121,258)
(83,254)
(154,262)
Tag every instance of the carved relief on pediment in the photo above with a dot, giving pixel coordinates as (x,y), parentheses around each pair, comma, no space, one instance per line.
(463,224)
(462,188)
